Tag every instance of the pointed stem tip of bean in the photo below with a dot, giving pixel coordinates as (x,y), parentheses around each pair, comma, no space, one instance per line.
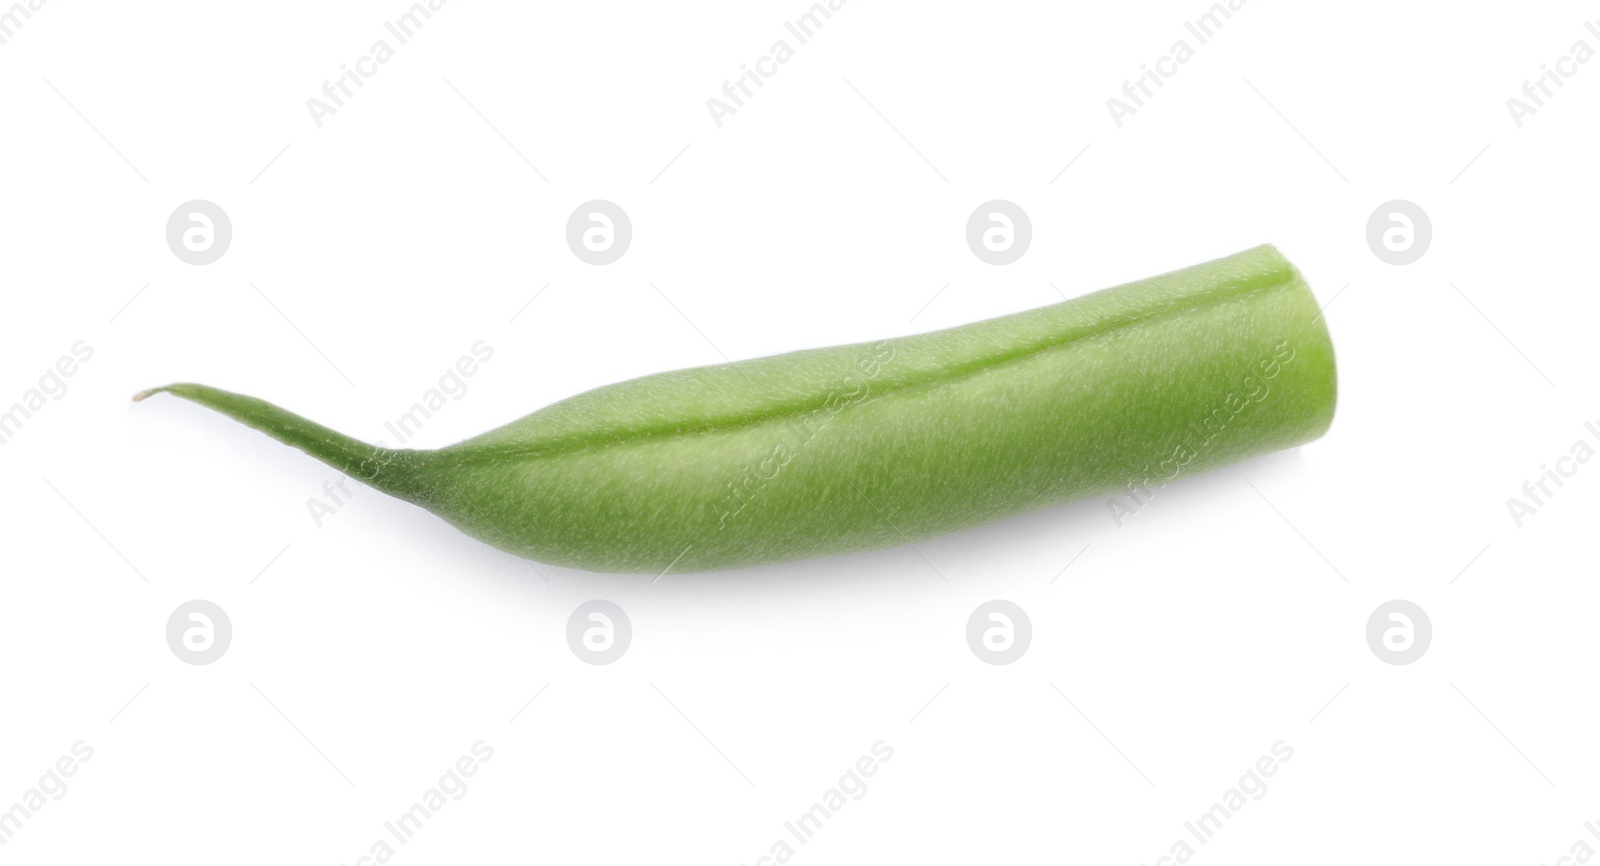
(146,393)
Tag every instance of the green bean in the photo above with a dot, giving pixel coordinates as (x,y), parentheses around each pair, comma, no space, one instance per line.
(833,450)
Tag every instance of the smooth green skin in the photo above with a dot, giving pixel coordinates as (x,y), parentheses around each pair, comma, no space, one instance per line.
(854,447)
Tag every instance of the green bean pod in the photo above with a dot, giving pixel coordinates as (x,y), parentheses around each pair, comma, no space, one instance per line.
(833,450)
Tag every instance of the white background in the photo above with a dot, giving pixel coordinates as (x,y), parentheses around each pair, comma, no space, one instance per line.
(369,653)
